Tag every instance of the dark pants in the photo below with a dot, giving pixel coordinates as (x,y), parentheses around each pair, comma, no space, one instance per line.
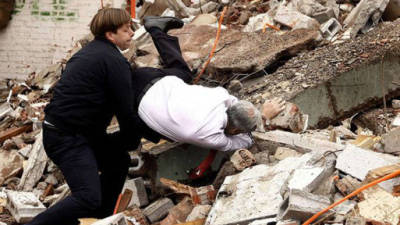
(171,55)
(95,169)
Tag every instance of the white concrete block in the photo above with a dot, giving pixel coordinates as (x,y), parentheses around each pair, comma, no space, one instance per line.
(300,205)
(23,206)
(330,28)
(357,161)
(294,19)
(306,179)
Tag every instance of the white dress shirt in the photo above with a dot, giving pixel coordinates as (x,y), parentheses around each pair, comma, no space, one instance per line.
(190,114)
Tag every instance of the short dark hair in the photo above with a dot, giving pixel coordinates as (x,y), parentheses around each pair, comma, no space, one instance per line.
(108,19)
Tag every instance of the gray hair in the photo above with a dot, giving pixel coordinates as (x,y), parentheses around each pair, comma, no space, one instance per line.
(243,115)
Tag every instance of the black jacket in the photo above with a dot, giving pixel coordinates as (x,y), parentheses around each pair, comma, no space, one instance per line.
(96,84)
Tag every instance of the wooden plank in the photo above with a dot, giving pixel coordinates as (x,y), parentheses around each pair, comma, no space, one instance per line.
(175,186)
(14,132)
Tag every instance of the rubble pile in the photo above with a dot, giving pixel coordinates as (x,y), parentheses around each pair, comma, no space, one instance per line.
(267,48)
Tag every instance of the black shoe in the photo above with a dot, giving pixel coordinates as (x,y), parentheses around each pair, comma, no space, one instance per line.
(164,23)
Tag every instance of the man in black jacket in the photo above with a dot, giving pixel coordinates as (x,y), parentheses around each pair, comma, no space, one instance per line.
(95,86)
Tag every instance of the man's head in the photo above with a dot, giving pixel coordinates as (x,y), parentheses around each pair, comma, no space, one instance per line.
(242,118)
(113,24)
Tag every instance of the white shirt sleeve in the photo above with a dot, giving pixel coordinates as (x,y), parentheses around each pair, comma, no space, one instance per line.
(222,142)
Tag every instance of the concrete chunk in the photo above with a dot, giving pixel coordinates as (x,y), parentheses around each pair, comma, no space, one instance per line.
(139,195)
(158,209)
(365,160)
(391,141)
(300,205)
(23,206)
(366,14)
(118,219)
(294,19)
(10,164)
(242,159)
(307,179)
(242,198)
(330,28)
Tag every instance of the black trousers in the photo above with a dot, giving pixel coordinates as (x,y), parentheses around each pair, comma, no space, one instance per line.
(95,169)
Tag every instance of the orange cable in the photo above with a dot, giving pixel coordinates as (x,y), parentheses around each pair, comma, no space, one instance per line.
(270,26)
(117,205)
(387,177)
(214,47)
(133,9)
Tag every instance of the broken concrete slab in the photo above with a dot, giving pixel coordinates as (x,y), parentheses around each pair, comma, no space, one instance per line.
(380,206)
(23,206)
(294,19)
(391,141)
(300,205)
(289,119)
(366,160)
(118,219)
(158,209)
(139,194)
(329,79)
(300,142)
(242,159)
(239,52)
(198,212)
(10,164)
(242,197)
(365,15)
(35,167)
(306,179)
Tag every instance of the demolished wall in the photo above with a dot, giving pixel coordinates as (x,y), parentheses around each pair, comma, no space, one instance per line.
(41,32)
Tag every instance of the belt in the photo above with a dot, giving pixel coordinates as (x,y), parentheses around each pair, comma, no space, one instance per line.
(146,88)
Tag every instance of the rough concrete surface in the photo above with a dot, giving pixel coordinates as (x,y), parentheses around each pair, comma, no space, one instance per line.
(342,78)
(10,164)
(357,162)
(242,197)
(380,206)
